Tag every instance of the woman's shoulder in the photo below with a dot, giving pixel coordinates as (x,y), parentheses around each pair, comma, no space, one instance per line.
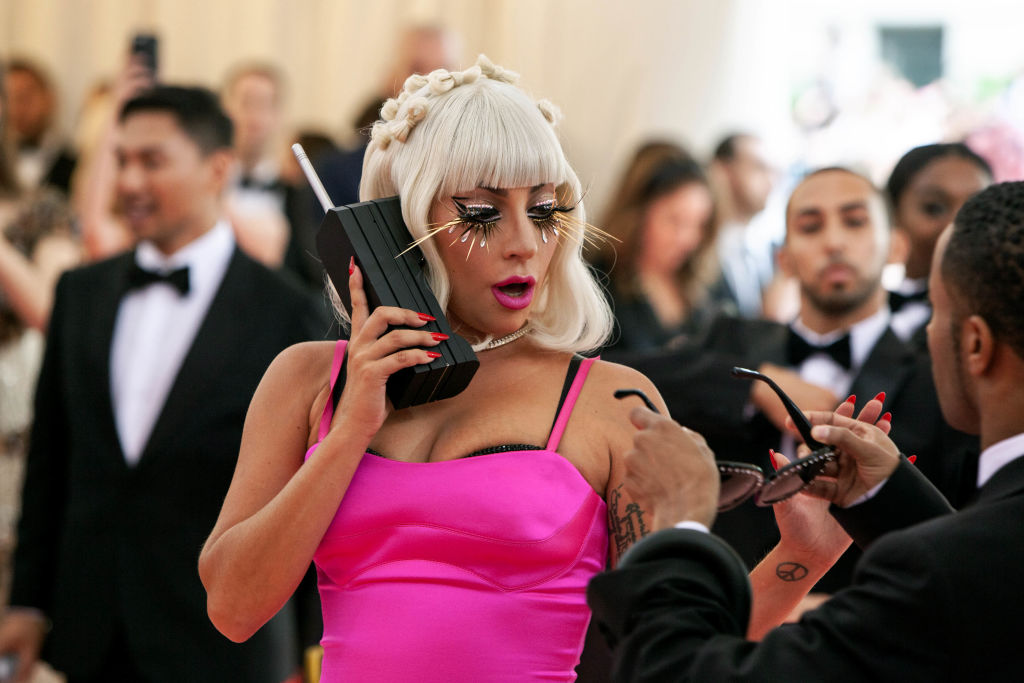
(609,373)
(306,364)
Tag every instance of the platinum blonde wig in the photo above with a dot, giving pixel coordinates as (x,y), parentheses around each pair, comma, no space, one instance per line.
(451,132)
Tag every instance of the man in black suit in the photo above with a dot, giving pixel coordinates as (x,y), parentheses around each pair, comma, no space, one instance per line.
(935,596)
(151,360)
(41,159)
(837,242)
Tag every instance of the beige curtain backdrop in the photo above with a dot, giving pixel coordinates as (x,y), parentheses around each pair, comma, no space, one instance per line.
(621,70)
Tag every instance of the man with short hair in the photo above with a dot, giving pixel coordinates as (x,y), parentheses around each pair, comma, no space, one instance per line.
(40,157)
(259,201)
(742,179)
(935,595)
(837,243)
(151,360)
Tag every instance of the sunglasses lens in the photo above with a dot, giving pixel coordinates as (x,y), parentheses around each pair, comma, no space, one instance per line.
(792,478)
(738,482)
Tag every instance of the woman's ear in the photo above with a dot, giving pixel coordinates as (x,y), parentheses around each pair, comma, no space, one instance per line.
(899,246)
(977,345)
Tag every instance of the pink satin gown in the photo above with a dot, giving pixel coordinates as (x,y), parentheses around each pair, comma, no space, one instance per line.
(465,570)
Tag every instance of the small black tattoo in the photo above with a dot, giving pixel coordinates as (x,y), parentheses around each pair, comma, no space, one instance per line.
(627,526)
(791,571)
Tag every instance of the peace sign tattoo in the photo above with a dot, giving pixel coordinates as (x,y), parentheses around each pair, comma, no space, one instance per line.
(791,571)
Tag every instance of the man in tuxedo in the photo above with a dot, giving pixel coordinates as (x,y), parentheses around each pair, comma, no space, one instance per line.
(258,200)
(742,178)
(151,360)
(837,242)
(935,595)
(41,158)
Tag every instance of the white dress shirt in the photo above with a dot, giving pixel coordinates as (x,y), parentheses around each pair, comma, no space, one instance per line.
(913,314)
(154,330)
(997,455)
(822,370)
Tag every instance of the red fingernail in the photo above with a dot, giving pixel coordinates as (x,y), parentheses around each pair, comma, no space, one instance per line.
(771,456)
(426,317)
(351,264)
(911,459)
(852,399)
(433,354)
(887,417)
(438,336)
(880,397)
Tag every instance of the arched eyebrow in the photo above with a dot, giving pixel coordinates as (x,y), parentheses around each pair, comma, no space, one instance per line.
(501,192)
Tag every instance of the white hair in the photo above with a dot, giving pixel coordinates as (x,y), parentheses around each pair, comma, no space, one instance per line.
(452,132)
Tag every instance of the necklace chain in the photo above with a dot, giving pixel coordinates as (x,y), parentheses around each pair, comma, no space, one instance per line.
(501,341)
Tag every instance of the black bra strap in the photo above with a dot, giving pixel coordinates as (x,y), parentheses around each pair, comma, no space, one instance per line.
(570,375)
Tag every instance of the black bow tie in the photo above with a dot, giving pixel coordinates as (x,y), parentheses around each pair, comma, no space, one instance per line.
(799,349)
(898,300)
(139,277)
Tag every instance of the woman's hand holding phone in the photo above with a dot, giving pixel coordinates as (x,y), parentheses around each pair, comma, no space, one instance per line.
(374,353)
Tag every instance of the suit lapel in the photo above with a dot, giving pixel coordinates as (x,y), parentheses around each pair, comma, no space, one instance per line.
(206,356)
(886,367)
(101,309)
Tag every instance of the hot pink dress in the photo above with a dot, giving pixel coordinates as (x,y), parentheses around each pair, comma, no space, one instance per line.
(465,570)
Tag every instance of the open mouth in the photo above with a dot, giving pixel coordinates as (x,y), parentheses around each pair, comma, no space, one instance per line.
(515,292)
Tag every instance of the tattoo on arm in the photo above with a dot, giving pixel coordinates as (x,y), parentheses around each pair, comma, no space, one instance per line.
(626,523)
(791,571)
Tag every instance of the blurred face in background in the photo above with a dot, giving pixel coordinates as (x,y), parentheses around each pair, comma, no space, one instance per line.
(837,241)
(750,176)
(252,102)
(167,188)
(30,105)
(932,199)
(673,228)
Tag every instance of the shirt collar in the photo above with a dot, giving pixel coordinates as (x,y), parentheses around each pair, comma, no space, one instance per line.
(205,256)
(864,334)
(998,454)
(910,286)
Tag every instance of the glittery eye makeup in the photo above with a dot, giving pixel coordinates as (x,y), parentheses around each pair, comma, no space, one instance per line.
(480,219)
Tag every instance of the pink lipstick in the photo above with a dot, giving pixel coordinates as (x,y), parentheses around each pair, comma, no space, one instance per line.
(515,292)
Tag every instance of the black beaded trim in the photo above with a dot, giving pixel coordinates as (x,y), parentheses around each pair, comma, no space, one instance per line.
(505,448)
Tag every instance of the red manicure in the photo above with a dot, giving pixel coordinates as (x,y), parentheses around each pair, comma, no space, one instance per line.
(426,317)
(911,459)
(771,456)
(880,397)
(886,418)
(438,336)
(351,264)
(433,354)
(852,399)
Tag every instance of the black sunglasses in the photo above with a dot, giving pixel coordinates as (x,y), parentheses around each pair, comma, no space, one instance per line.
(740,480)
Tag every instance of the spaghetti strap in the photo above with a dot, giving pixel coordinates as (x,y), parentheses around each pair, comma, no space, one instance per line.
(570,401)
(328,414)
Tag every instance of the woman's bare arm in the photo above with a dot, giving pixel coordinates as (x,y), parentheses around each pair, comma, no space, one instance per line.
(278,508)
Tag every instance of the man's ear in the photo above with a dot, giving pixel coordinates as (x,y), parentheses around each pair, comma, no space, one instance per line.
(977,345)
(784,260)
(222,164)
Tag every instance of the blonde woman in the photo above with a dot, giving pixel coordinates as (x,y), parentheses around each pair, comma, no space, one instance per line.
(453,540)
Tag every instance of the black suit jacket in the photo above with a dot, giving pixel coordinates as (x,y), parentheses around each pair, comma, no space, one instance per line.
(103,545)
(701,394)
(936,601)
